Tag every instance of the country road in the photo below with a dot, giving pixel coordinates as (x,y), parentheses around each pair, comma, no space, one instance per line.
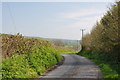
(75,67)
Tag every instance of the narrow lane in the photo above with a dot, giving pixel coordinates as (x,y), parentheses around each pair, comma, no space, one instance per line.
(75,66)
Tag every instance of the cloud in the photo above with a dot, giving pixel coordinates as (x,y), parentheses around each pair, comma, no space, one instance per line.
(85,23)
(82,19)
(74,21)
(81,14)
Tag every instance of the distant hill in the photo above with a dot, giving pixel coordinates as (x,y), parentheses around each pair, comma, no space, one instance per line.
(65,41)
(71,44)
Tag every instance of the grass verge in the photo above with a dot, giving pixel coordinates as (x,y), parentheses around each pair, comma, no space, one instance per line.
(107,64)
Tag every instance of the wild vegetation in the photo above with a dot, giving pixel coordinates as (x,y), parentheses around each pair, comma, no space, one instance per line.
(102,45)
(24,57)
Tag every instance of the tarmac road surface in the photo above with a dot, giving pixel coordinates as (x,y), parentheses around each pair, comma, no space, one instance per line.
(75,67)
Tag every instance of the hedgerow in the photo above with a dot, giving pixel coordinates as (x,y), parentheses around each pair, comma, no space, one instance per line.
(102,45)
(24,57)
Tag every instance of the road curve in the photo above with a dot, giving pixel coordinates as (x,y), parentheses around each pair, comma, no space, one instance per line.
(75,66)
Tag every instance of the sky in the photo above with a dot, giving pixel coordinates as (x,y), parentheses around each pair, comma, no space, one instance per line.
(61,20)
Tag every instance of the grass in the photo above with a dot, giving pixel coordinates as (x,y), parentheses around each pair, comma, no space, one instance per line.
(107,64)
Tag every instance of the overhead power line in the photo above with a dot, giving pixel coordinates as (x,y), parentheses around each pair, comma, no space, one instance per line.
(12,18)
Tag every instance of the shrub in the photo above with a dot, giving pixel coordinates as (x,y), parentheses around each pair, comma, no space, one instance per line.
(27,57)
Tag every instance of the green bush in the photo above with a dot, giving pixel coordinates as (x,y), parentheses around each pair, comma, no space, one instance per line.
(29,65)
(27,57)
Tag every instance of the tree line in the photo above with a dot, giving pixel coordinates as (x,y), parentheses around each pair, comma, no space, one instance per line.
(105,36)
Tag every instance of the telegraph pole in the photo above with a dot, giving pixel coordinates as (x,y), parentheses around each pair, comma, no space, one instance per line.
(82,33)
(82,36)
(78,45)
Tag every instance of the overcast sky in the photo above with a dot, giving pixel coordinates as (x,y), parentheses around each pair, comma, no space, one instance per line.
(51,19)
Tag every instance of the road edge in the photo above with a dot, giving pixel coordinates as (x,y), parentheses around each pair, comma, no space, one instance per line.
(53,67)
